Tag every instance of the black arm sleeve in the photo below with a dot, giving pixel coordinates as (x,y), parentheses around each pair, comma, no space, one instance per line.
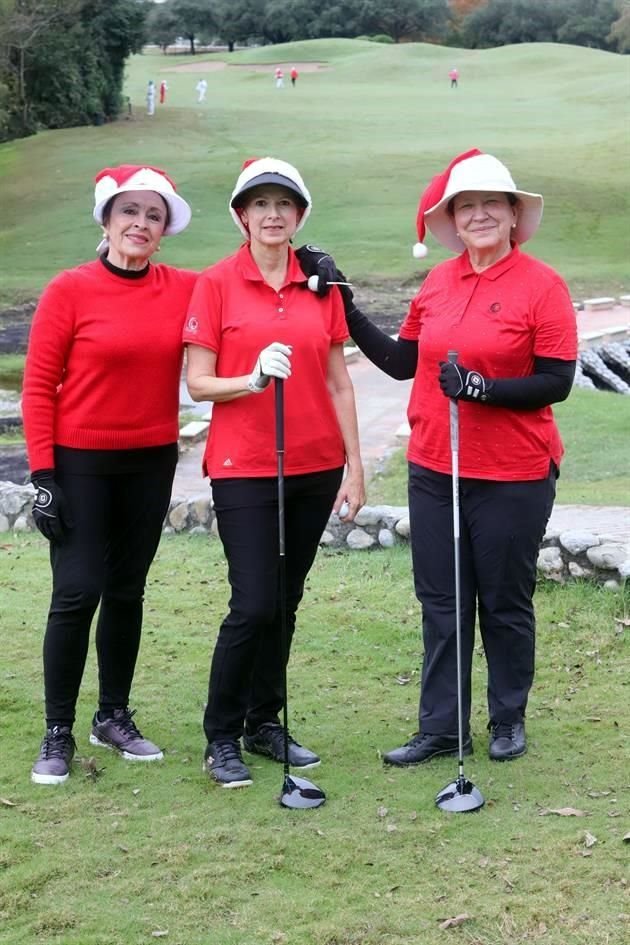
(396,357)
(550,383)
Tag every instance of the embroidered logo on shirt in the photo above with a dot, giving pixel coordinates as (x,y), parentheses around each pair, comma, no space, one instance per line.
(192,324)
(227,462)
(495,307)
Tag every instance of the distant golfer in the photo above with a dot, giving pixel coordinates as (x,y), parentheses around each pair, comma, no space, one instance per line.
(251,320)
(294,75)
(453,76)
(163,91)
(150,97)
(511,319)
(201,88)
(279,76)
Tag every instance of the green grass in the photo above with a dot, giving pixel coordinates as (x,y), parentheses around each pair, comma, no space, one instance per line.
(11,371)
(367,133)
(139,850)
(594,427)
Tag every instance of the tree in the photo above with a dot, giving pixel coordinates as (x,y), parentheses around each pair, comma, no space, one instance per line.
(620,30)
(400,18)
(588,24)
(192,18)
(161,25)
(503,22)
(238,20)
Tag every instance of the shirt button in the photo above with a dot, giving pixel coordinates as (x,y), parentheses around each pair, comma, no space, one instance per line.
(281,310)
(280,295)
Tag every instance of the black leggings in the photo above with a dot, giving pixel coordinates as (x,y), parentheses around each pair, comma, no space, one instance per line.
(105,558)
(247,672)
(501,527)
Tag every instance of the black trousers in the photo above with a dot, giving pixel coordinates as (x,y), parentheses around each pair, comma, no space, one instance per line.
(501,527)
(104,559)
(246,685)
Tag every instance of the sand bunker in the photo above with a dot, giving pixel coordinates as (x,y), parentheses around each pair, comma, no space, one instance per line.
(217,65)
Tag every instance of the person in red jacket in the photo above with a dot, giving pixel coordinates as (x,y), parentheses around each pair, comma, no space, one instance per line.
(251,319)
(510,318)
(100,405)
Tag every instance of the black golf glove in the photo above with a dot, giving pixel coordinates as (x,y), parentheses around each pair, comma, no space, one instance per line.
(460,383)
(316,262)
(50,509)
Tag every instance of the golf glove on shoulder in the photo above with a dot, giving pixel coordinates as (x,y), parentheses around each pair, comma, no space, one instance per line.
(317,262)
(50,509)
(273,361)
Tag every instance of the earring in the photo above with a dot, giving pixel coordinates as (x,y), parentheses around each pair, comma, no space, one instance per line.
(513,225)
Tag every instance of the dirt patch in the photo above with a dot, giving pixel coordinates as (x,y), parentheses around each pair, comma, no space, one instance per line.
(218,65)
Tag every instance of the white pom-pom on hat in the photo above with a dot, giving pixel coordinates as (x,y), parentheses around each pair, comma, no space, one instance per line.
(419,251)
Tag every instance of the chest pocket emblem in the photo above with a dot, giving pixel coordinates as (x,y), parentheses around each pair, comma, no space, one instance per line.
(495,307)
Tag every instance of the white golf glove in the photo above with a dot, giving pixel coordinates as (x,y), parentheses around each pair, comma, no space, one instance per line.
(273,361)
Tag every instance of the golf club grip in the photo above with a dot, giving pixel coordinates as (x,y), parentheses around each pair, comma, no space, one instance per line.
(454,412)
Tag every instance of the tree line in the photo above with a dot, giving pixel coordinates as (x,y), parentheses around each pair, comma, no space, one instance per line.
(62,61)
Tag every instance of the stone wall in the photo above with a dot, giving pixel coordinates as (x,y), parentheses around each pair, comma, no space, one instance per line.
(564,556)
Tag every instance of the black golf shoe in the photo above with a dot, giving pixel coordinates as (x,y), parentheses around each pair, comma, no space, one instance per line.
(423,747)
(223,762)
(268,740)
(507,740)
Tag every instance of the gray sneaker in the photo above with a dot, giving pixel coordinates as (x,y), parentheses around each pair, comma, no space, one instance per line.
(55,756)
(268,740)
(222,760)
(119,733)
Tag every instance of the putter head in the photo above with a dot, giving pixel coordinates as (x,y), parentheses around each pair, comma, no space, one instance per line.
(460,797)
(300,794)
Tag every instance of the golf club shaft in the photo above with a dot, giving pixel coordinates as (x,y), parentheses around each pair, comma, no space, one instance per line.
(454,428)
(282,569)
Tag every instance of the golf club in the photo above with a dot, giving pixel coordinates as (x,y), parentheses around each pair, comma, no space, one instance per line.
(297,793)
(460,796)
(313,283)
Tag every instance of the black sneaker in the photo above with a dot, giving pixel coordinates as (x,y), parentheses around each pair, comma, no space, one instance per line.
(120,733)
(268,740)
(422,748)
(222,760)
(55,756)
(507,740)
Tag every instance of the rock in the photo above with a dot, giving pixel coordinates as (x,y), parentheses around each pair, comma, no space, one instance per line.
(576,541)
(4,523)
(402,527)
(612,585)
(358,540)
(577,571)
(385,538)
(624,569)
(199,509)
(368,515)
(23,523)
(608,557)
(198,530)
(550,563)
(178,516)
(327,539)
(551,536)
(13,498)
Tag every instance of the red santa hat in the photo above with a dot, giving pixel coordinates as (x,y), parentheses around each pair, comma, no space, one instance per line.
(117,180)
(472,170)
(259,171)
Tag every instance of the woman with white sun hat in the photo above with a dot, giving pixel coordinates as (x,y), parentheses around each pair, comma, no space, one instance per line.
(101,406)
(511,320)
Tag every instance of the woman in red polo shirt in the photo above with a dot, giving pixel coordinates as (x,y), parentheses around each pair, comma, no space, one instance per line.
(101,437)
(511,320)
(250,320)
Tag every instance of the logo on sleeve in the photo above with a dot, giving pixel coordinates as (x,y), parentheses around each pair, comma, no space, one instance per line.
(192,324)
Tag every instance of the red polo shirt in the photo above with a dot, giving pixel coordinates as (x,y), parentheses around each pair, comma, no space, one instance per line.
(236,314)
(497,321)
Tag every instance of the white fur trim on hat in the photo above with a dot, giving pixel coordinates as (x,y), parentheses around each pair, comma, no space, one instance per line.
(144,178)
(483,172)
(269,171)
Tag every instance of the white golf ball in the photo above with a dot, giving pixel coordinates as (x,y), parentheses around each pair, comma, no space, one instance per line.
(343,511)
(313,283)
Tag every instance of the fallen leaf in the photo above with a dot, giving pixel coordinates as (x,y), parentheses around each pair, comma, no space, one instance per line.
(382,812)
(593,718)
(626,839)
(136,791)
(562,812)
(159,933)
(391,828)
(589,840)
(598,793)
(456,920)
(6,802)
(403,680)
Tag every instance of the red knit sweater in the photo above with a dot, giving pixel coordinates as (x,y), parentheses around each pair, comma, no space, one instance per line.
(104,361)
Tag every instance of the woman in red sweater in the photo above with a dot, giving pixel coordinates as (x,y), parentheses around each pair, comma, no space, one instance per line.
(100,405)
(250,319)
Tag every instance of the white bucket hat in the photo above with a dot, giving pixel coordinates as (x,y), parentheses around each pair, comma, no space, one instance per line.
(116,180)
(259,171)
(472,170)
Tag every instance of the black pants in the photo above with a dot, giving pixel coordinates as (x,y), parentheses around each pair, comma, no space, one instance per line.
(247,673)
(105,558)
(501,527)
